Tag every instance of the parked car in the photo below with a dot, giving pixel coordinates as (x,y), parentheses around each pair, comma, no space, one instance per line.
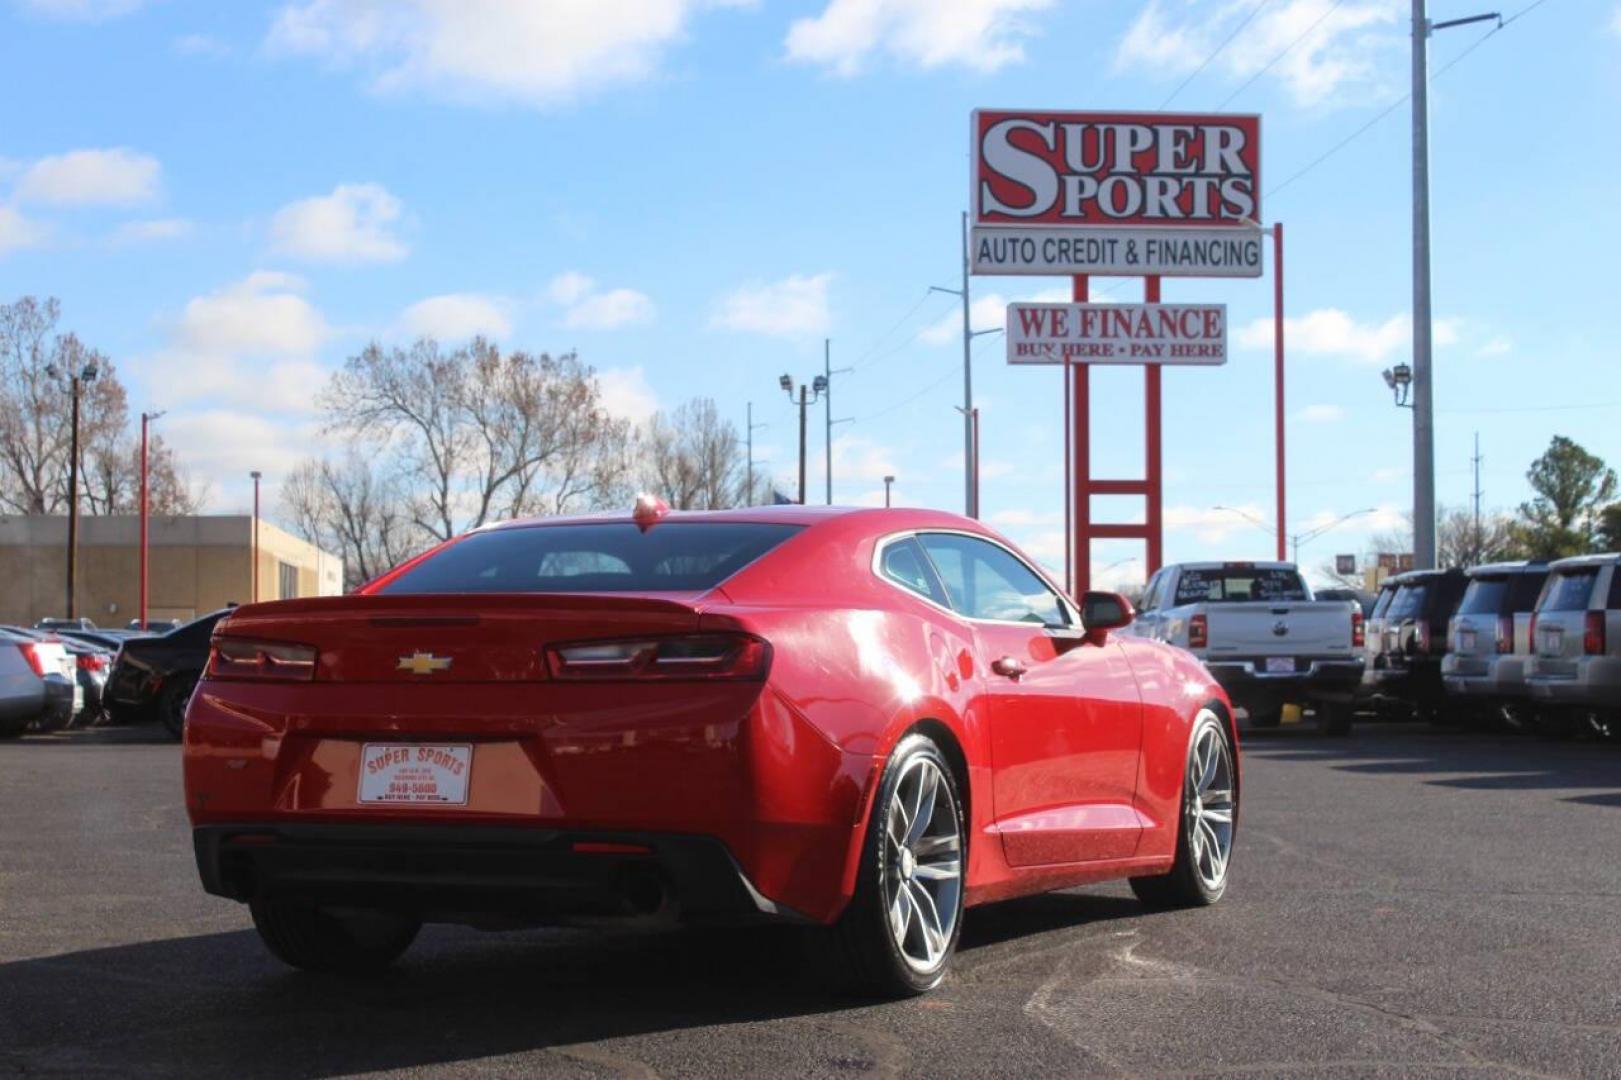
(1360,597)
(1489,642)
(153,677)
(1374,629)
(1575,669)
(1262,635)
(1405,680)
(37,685)
(154,626)
(91,663)
(800,714)
(65,624)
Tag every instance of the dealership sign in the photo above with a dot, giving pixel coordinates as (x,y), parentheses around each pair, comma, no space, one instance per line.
(1116,193)
(1117,334)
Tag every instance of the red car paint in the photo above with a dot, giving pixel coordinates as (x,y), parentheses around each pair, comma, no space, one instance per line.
(1073,770)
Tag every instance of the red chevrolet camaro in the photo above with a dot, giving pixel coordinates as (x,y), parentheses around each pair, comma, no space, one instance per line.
(859,720)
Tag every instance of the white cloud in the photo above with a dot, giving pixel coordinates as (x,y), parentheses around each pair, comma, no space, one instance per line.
(1023,519)
(626,393)
(1345,55)
(1320,414)
(83,10)
(351,225)
(1615,21)
(264,314)
(111,177)
(1497,346)
(522,51)
(221,446)
(988,312)
(1332,332)
(18,232)
(141,232)
(1389,475)
(981,34)
(795,306)
(201,45)
(857,459)
(588,308)
(457,317)
(1213,525)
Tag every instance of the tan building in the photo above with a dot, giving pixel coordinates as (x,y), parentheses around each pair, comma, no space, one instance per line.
(195,565)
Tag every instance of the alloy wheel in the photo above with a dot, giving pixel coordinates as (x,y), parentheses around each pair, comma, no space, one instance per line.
(1210,805)
(922,865)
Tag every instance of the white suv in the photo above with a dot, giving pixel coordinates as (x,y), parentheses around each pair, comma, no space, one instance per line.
(1575,670)
(1489,640)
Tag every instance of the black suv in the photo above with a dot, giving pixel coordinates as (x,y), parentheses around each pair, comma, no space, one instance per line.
(153,677)
(1404,676)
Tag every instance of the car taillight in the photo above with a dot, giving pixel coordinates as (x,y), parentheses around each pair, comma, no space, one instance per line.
(237,658)
(1198,632)
(1593,634)
(1505,634)
(30,651)
(735,657)
(91,661)
(1359,630)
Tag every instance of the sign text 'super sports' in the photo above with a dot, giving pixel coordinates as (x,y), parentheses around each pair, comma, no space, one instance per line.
(1117,193)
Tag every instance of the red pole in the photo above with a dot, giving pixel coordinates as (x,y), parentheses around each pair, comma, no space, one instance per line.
(1277,375)
(1153,457)
(145,420)
(255,537)
(1069,493)
(1080,411)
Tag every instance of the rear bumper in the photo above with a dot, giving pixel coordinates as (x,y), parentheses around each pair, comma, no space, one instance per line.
(1321,680)
(1497,677)
(1592,681)
(480,874)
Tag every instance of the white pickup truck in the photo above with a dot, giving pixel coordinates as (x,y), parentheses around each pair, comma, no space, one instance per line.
(1263,637)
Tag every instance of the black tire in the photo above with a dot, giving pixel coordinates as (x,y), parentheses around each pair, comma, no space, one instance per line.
(1184,886)
(13,728)
(863,954)
(1335,720)
(311,939)
(1553,724)
(172,702)
(1265,719)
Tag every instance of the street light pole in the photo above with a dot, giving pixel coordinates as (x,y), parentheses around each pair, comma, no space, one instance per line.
(819,384)
(77,377)
(970,481)
(1423,376)
(888,481)
(256,474)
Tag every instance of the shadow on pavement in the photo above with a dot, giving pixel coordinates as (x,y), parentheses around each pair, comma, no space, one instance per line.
(109,735)
(217,1003)
(1465,760)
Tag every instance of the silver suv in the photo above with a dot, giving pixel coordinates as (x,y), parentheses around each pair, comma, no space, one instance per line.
(1575,669)
(1489,641)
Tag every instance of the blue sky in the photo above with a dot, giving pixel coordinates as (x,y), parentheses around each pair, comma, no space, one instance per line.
(231,198)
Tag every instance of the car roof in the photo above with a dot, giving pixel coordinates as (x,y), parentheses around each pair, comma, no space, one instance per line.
(1238,564)
(775,515)
(1415,577)
(1580,561)
(1521,566)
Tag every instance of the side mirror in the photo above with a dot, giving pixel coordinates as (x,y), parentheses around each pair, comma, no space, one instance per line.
(1105,611)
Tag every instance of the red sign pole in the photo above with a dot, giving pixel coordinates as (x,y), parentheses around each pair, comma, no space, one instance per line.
(1080,492)
(1277,372)
(146,419)
(1152,456)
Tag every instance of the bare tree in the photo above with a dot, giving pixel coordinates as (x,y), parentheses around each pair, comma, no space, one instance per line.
(694,458)
(352,509)
(35,426)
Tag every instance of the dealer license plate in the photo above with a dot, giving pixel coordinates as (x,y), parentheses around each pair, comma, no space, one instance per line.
(415,774)
(1280,665)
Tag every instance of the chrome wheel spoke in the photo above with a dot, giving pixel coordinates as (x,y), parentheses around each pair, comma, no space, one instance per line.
(923,867)
(946,870)
(934,936)
(931,846)
(1216,815)
(928,789)
(1210,805)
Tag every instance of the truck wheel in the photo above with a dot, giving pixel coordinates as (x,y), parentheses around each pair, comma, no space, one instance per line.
(311,939)
(898,934)
(1265,718)
(1553,724)
(1205,830)
(14,727)
(1335,720)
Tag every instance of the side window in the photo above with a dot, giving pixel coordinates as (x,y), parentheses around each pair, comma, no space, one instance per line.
(1615,588)
(904,563)
(985,581)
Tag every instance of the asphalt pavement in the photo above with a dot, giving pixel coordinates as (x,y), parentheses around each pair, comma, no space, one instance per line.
(1404,902)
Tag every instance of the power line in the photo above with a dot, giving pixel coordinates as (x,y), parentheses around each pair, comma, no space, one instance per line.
(1249,82)
(952,374)
(1228,40)
(878,341)
(1534,408)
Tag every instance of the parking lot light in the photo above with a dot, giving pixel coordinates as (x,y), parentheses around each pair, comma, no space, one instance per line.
(1400,381)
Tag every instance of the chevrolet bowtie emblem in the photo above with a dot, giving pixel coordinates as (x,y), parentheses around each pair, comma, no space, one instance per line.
(423,663)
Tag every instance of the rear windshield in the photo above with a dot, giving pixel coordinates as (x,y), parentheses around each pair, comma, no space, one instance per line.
(1383,603)
(606,558)
(1236,584)
(1409,602)
(1485,596)
(1569,590)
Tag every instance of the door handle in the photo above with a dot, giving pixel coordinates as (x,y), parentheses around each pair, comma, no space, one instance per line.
(1007,665)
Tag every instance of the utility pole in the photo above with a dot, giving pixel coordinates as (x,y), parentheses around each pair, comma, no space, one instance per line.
(76,378)
(146,421)
(748,495)
(970,481)
(827,389)
(256,474)
(1423,341)
(1480,538)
